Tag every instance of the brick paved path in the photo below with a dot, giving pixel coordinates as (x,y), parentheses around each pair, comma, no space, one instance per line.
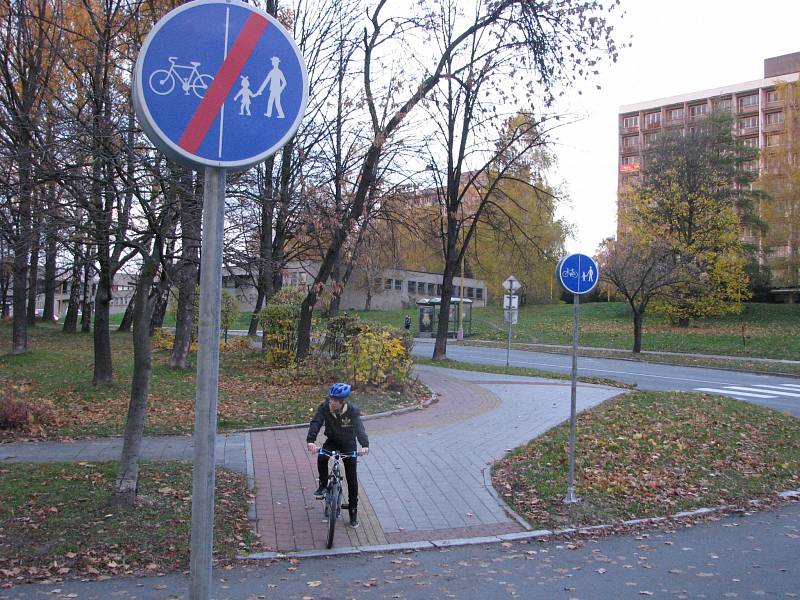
(426,476)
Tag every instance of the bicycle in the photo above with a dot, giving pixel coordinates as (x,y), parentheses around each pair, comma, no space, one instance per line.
(569,273)
(333,491)
(162,81)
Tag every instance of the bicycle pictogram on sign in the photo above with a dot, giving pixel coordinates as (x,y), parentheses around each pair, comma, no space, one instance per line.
(162,81)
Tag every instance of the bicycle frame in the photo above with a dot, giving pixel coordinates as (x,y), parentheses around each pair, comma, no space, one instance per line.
(333,492)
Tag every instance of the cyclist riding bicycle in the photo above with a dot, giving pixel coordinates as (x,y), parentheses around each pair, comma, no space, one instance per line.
(343,426)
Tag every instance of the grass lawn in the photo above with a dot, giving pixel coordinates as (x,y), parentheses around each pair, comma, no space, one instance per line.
(763,330)
(57,371)
(523,371)
(57,521)
(653,454)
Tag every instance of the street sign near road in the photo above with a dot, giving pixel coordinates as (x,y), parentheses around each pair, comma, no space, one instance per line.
(578,273)
(220,84)
(511,302)
(511,284)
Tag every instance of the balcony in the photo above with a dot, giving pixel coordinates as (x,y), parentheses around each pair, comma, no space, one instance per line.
(747,109)
(627,130)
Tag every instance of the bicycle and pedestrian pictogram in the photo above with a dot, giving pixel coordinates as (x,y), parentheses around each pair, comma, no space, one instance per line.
(578,273)
(219,83)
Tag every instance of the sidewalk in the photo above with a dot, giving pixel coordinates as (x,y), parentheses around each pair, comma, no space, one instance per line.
(427,475)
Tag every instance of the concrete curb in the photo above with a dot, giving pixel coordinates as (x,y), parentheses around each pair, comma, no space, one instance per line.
(389,413)
(495,539)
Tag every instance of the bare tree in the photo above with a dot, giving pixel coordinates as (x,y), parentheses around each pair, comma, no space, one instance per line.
(29,34)
(556,41)
(641,273)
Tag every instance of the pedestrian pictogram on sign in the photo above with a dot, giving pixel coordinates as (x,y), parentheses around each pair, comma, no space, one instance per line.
(219,83)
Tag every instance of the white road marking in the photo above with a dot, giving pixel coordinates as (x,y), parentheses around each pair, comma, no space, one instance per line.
(730,391)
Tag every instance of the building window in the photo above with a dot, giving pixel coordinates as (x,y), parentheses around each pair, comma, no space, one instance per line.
(412,287)
(751,166)
(723,104)
(696,130)
(748,101)
(398,284)
(674,114)
(293,279)
(438,289)
(387,284)
(430,289)
(773,96)
(421,287)
(775,118)
(470,292)
(630,160)
(773,139)
(698,110)
(630,142)
(628,122)
(748,122)
(653,119)
(649,139)
(750,142)
(479,293)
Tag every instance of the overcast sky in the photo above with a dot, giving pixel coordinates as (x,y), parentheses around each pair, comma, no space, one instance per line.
(679,46)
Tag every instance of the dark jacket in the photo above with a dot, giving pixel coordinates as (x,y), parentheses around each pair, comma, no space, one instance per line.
(342,430)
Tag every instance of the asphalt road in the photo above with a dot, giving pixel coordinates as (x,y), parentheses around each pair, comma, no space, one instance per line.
(777,392)
(741,556)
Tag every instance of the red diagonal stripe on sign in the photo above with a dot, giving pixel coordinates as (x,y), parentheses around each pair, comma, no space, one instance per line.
(239,54)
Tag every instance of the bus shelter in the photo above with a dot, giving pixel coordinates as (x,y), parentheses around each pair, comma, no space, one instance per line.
(429,310)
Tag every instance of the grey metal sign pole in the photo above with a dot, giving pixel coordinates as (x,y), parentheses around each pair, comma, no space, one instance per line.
(510,320)
(205,419)
(571,497)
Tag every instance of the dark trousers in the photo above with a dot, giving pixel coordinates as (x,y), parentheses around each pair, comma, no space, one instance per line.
(350,473)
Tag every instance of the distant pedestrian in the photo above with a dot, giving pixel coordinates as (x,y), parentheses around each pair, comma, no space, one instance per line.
(407,323)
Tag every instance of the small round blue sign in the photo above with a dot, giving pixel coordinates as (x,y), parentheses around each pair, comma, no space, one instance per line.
(219,83)
(578,273)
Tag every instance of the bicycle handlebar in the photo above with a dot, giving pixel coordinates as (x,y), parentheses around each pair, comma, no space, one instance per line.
(336,453)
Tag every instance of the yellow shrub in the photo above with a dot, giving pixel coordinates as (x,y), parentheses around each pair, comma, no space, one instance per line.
(378,358)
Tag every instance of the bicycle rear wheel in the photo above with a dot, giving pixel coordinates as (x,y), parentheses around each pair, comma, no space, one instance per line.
(332,509)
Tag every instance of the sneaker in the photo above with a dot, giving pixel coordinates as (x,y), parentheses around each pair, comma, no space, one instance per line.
(354,519)
(320,492)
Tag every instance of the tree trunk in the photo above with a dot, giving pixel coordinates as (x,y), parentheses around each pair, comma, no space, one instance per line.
(19,336)
(103,369)
(33,272)
(86,299)
(443,325)
(190,211)
(50,283)
(264,288)
(159,310)
(71,316)
(127,318)
(638,319)
(128,469)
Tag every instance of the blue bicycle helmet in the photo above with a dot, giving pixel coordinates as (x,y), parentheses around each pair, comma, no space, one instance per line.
(339,390)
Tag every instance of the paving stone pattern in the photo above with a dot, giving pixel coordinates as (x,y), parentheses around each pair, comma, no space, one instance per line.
(425,477)
(230,450)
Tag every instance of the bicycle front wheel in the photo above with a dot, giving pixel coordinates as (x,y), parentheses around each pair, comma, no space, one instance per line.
(162,82)
(332,508)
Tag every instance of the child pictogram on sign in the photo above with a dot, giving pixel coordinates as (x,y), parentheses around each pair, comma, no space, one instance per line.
(277,83)
(245,93)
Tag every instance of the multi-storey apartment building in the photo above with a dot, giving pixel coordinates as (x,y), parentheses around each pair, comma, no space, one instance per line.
(758,110)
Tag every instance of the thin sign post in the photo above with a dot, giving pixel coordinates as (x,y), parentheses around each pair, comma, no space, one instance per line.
(578,274)
(197,96)
(511,285)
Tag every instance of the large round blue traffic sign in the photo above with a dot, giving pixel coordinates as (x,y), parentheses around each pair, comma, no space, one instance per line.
(219,83)
(578,273)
